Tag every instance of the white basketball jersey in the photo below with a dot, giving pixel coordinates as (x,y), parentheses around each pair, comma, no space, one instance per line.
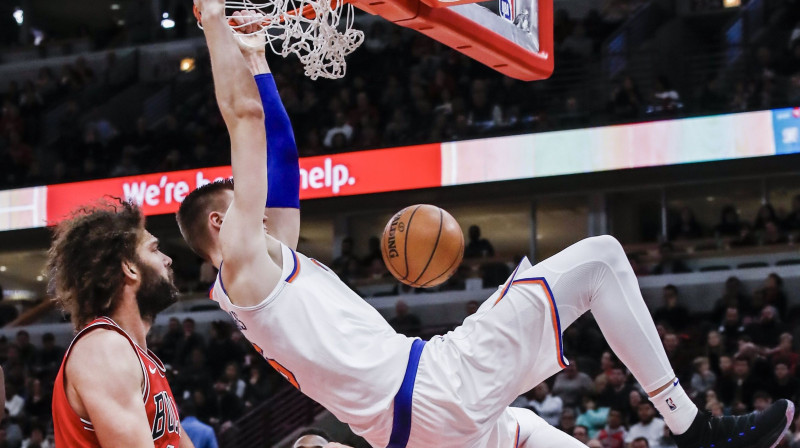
(326,340)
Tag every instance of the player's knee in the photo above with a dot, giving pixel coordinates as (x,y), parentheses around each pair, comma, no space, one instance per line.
(608,248)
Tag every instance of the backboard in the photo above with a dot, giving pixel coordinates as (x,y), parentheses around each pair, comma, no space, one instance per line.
(516,41)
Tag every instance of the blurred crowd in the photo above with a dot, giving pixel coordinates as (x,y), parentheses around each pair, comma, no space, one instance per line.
(739,356)
(215,377)
(402,88)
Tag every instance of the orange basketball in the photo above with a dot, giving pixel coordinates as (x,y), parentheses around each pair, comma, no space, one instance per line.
(422,245)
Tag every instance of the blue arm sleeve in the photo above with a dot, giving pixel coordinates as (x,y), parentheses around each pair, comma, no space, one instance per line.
(283,167)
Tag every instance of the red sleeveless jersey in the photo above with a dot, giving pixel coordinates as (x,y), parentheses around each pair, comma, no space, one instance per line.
(73,431)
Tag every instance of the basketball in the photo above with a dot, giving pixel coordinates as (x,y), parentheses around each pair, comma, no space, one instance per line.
(422,245)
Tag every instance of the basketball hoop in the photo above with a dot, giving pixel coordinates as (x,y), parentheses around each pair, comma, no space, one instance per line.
(313,30)
(516,41)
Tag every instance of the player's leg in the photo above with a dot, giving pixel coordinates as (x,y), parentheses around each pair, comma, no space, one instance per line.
(594,274)
(534,432)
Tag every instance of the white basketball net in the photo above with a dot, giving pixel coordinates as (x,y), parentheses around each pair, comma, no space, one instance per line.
(318,37)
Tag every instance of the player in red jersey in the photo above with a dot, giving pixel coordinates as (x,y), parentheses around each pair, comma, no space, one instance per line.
(110,276)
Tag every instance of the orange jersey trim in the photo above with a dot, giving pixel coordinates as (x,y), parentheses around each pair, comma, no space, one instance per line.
(295,270)
(553,311)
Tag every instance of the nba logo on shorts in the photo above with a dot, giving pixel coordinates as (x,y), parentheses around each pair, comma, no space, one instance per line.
(506,9)
(671,404)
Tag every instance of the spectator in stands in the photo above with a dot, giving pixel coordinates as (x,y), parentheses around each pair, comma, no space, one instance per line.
(230,392)
(127,165)
(405,322)
(766,331)
(546,405)
(39,400)
(615,394)
(714,350)
(483,114)
(8,312)
(172,339)
(678,357)
(577,43)
(740,386)
(201,434)
(772,234)
(613,435)
(46,84)
(675,315)
(573,116)
(731,329)
(766,213)
(668,264)
(732,298)
(783,384)
(710,98)
(649,427)
(221,350)
(772,294)
(592,417)
(567,421)
(49,358)
(634,399)
(761,400)
(571,385)
(729,224)
(746,236)
(666,100)
(784,353)
(15,400)
(743,96)
(36,439)
(703,378)
(792,221)
(626,101)
(27,351)
(191,341)
(687,227)
(581,433)
(346,264)
(257,388)
(373,252)
(478,247)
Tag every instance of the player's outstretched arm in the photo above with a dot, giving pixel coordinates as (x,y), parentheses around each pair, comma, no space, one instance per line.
(283,169)
(106,375)
(250,274)
(240,105)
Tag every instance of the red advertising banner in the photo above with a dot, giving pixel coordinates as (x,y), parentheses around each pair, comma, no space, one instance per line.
(373,171)
(320,177)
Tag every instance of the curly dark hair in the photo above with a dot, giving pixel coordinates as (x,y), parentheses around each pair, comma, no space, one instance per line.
(85,258)
(194,210)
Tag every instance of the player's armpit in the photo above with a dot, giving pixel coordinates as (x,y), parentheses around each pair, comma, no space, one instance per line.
(107,376)
(284,225)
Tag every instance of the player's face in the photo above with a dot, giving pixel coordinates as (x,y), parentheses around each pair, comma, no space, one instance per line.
(156,290)
(149,253)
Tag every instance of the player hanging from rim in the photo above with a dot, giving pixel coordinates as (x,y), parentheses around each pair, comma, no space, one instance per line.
(397,391)
(110,276)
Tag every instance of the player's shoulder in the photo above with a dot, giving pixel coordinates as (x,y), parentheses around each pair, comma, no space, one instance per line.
(101,352)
